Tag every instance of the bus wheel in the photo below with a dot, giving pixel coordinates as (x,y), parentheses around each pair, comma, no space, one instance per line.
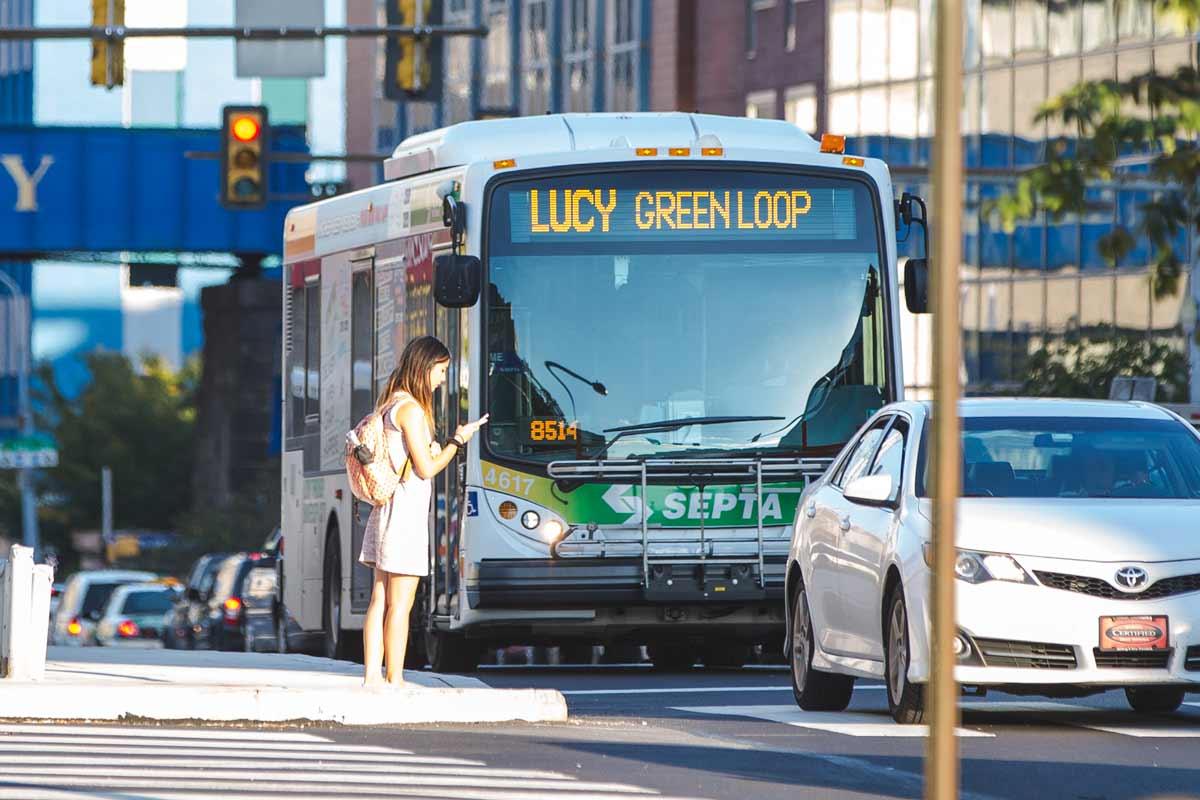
(331,594)
(672,657)
(449,652)
(725,654)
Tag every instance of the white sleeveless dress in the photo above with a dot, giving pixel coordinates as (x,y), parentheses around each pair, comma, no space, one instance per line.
(397,535)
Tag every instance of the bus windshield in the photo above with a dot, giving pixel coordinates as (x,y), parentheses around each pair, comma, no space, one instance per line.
(617,299)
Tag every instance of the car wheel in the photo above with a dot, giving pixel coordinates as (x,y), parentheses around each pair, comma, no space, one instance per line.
(672,657)
(906,700)
(814,690)
(331,616)
(450,652)
(1154,699)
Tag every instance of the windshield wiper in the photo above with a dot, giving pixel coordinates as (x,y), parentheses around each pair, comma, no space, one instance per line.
(665,425)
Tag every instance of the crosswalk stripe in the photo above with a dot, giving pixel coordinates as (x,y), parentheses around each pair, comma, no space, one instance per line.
(383,756)
(847,723)
(1076,715)
(225,780)
(193,744)
(294,766)
(457,793)
(119,732)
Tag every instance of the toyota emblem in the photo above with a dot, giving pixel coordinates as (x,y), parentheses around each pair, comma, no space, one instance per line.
(1131,577)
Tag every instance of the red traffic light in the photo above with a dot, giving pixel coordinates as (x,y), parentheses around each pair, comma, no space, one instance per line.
(245,128)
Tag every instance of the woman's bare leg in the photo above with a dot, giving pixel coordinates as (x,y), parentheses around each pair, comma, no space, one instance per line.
(401,589)
(373,631)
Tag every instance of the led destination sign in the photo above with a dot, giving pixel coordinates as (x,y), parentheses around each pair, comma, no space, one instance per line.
(586,210)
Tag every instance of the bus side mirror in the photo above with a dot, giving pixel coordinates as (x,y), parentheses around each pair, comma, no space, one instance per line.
(456,280)
(916,285)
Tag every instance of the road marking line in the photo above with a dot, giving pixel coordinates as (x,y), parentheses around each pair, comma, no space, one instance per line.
(223,780)
(677,690)
(114,731)
(324,745)
(847,723)
(295,765)
(314,753)
(1056,713)
(163,793)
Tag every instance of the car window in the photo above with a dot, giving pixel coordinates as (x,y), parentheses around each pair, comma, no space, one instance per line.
(227,576)
(151,601)
(96,597)
(210,575)
(859,459)
(198,572)
(890,458)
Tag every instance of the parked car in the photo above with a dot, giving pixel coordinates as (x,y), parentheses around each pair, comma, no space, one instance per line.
(56,590)
(190,613)
(1078,564)
(135,616)
(83,600)
(247,622)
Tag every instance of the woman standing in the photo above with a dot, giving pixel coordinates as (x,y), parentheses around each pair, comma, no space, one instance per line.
(396,542)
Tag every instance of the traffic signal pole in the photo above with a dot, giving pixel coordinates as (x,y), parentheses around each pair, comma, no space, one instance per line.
(942,765)
(21,331)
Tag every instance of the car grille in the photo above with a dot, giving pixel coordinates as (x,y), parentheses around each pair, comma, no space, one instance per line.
(1191,659)
(1132,659)
(1096,587)
(1036,655)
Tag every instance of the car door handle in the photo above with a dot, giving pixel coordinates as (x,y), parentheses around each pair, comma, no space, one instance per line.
(844,522)
(811,510)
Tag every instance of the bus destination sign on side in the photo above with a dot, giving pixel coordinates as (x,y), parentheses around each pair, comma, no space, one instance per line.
(598,212)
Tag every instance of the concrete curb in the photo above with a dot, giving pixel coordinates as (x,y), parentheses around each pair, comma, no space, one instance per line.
(275,704)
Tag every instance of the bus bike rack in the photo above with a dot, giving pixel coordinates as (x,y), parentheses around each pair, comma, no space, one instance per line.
(699,473)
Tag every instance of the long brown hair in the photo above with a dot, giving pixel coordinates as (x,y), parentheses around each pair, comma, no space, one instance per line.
(411,375)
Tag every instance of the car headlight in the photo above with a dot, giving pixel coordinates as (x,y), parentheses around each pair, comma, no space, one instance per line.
(973,567)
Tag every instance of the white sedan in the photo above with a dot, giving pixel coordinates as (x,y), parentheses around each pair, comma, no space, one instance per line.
(1078,565)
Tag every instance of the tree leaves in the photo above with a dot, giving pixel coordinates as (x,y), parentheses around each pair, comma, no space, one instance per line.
(1084,366)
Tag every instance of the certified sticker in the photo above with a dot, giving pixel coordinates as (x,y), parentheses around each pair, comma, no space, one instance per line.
(1133,633)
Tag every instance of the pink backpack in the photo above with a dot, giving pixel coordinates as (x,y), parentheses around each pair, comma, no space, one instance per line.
(369,468)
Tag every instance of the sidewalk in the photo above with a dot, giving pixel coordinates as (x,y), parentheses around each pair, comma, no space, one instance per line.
(96,683)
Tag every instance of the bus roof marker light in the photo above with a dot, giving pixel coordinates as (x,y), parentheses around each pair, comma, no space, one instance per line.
(833,143)
(853,161)
(646,151)
(679,151)
(712,151)
(504,163)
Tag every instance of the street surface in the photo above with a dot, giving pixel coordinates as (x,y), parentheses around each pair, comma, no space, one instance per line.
(634,732)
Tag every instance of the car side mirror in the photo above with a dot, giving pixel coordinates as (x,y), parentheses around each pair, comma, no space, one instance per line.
(457,280)
(916,285)
(870,490)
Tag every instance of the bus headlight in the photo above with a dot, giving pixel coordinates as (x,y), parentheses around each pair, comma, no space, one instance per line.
(553,530)
(531,519)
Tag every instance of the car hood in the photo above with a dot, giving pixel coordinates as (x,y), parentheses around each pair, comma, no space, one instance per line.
(1100,529)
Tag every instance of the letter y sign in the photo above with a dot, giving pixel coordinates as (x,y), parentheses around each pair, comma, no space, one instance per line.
(26,184)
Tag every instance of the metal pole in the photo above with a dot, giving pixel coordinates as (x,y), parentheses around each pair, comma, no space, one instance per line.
(22,323)
(106,518)
(941,767)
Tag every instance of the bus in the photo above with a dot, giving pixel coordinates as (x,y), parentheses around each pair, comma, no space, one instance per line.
(674,320)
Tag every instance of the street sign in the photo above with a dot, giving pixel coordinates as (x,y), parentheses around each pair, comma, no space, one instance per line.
(35,451)
(301,58)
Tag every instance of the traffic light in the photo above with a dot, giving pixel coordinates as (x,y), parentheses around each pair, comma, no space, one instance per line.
(414,64)
(244,158)
(108,59)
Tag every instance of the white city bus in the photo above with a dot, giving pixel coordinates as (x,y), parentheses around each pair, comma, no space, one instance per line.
(674,321)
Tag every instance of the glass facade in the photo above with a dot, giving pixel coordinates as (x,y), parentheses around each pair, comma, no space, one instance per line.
(1047,279)
(540,56)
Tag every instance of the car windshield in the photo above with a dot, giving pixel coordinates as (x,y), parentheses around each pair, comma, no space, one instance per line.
(96,598)
(1077,457)
(619,299)
(151,601)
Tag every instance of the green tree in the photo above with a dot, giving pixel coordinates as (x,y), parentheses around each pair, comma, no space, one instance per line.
(1084,366)
(138,421)
(1154,113)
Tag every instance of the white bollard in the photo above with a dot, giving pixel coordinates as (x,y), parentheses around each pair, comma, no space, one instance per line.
(24,616)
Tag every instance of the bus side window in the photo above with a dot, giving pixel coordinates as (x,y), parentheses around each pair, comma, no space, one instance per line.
(296,367)
(312,357)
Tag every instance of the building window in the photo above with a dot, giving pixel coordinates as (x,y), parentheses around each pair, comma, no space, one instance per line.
(624,62)
(761,105)
(800,107)
(843,43)
(579,55)
(535,57)
(456,93)
(497,67)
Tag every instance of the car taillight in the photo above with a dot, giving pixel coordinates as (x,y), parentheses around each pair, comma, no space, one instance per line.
(128,628)
(74,628)
(233,607)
